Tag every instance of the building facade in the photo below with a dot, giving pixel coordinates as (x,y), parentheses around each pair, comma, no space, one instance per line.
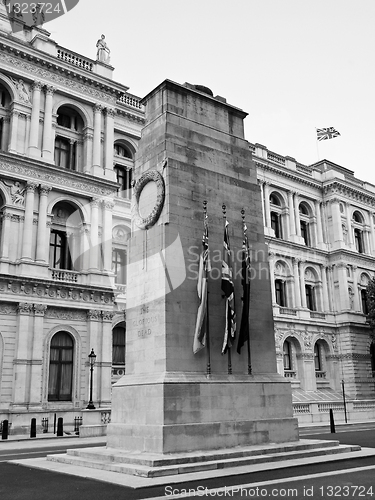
(68,138)
(319,224)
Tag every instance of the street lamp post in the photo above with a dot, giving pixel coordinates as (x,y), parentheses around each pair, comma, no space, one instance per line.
(92,358)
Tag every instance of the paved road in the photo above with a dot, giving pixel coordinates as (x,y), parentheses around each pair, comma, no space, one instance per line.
(319,481)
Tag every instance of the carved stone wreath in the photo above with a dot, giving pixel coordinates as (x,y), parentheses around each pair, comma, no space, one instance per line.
(146,222)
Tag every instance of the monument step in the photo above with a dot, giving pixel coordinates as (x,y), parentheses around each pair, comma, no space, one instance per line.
(156,460)
(114,461)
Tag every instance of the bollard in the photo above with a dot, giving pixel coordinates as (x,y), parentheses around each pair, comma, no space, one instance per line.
(33,428)
(60,426)
(5,430)
(331,421)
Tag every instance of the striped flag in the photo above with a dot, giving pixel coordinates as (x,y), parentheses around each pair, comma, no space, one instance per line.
(200,335)
(326,133)
(228,289)
(243,336)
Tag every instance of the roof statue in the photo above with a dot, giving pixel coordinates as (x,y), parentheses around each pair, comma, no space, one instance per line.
(103,52)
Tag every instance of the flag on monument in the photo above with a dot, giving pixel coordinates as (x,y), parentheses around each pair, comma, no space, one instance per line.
(228,289)
(326,133)
(200,335)
(243,336)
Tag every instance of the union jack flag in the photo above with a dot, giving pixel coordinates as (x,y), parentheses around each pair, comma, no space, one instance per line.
(326,133)
(200,335)
(227,287)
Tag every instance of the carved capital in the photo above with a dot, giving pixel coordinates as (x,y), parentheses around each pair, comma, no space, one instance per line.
(37,86)
(25,308)
(95,202)
(50,90)
(94,315)
(40,309)
(108,205)
(108,315)
(31,186)
(110,112)
(98,108)
(44,190)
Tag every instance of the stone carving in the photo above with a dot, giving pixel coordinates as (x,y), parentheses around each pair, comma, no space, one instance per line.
(25,308)
(17,193)
(150,220)
(22,91)
(8,309)
(119,234)
(40,309)
(94,315)
(66,314)
(103,53)
(108,315)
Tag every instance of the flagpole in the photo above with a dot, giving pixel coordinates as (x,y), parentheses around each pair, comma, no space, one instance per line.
(249,368)
(317,143)
(208,353)
(224,208)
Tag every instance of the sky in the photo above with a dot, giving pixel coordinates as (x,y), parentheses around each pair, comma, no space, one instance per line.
(292,65)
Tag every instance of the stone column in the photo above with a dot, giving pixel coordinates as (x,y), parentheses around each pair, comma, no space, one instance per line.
(5,230)
(35,380)
(336,222)
(343,286)
(349,224)
(96,160)
(297,283)
(94,341)
(292,220)
(356,303)
(22,354)
(14,131)
(106,362)
(109,141)
(271,260)
(47,126)
(88,146)
(372,233)
(296,212)
(85,248)
(318,223)
(34,150)
(42,243)
(6,138)
(94,253)
(331,289)
(325,288)
(27,237)
(302,284)
(107,235)
(73,144)
(267,204)
(261,184)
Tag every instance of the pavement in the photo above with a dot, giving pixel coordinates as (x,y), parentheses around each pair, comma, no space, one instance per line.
(15,443)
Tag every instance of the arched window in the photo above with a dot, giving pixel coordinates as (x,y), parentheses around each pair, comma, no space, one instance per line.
(119,265)
(317,357)
(65,153)
(287,355)
(60,378)
(304,216)
(280,293)
(276,214)
(123,151)
(69,139)
(364,301)
(358,223)
(64,247)
(5,100)
(59,257)
(310,297)
(118,344)
(124,178)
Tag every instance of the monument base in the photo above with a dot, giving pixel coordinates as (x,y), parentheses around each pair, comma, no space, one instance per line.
(189,412)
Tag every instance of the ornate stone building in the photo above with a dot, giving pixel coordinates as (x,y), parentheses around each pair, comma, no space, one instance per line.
(319,224)
(68,135)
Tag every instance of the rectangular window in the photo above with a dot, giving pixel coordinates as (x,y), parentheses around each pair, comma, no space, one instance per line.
(119,265)
(124,178)
(305,233)
(280,293)
(59,254)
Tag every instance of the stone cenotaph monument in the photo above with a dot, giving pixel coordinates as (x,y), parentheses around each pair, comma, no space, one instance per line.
(193,150)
